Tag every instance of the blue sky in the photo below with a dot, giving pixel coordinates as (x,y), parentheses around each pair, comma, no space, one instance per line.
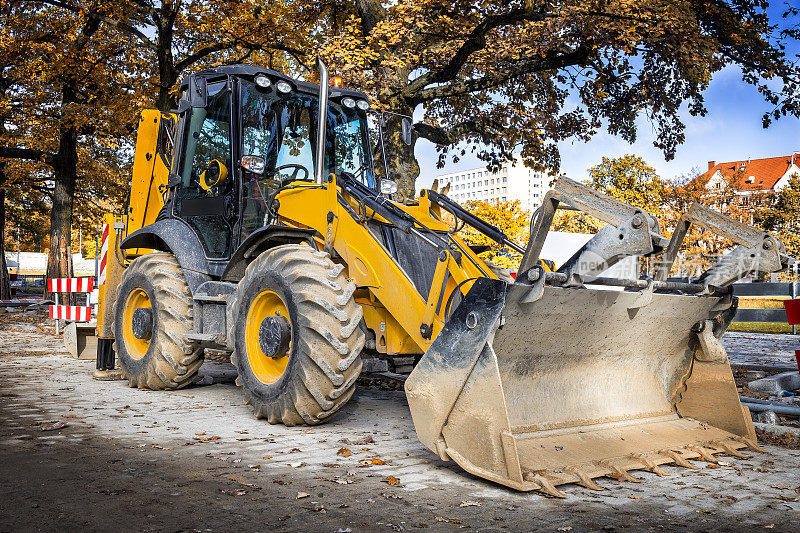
(731,130)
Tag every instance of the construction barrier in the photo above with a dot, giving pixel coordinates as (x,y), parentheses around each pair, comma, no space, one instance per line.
(70,312)
(79,313)
(101,277)
(70,285)
(792,308)
(18,302)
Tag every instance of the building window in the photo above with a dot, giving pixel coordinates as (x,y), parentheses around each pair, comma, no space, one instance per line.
(505,179)
(504,198)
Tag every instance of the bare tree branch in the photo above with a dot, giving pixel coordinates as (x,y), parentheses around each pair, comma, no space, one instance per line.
(500,76)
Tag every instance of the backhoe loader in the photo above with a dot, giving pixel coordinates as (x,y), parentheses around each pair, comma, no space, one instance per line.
(258,228)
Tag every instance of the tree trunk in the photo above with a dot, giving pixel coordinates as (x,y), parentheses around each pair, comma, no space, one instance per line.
(5,282)
(403,166)
(59,260)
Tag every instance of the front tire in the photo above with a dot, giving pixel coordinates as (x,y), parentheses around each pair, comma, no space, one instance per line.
(152,312)
(308,372)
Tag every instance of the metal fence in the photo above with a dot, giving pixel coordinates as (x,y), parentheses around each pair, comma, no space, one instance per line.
(790,289)
(29,280)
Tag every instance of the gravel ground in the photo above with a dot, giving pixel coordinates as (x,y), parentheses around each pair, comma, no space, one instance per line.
(761,349)
(195,459)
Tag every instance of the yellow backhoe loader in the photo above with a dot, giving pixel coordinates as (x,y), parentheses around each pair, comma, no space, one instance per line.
(257,228)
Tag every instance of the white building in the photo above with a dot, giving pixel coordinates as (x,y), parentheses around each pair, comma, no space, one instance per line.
(513,181)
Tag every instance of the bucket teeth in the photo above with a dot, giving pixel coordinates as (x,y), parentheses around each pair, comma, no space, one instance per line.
(618,472)
(750,444)
(678,459)
(545,485)
(704,454)
(585,479)
(727,450)
(648,463)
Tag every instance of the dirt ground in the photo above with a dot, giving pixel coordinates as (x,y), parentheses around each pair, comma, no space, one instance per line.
(196,460)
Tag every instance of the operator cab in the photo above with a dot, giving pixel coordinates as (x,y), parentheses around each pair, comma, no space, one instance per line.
(248,132)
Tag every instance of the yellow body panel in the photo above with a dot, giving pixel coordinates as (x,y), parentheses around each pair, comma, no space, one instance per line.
(150,173)
(401,309)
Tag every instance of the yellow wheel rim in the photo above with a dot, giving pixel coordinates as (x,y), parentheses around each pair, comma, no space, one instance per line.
(268,368)
(137,299)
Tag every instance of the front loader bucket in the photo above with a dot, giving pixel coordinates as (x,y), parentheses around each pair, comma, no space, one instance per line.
(533,386)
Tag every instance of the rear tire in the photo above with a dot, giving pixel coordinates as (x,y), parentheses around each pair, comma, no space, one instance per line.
(318,375)
(164,360)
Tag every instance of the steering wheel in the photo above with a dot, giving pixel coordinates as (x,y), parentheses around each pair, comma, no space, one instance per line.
(297,168)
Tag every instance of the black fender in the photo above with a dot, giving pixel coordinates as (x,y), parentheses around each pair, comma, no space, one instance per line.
(175,236)
(262,240)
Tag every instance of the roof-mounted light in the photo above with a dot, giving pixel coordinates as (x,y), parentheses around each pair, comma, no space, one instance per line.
(262,81)
(348,102)
(283,86)
(363,105)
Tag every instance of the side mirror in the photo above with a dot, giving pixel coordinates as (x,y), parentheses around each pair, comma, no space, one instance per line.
(215,173)
(253,164)
(406,129)
(198,91)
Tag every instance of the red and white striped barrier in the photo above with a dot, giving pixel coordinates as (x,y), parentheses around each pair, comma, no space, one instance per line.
(79,313)
(70,285)
(22,301)
(101,277)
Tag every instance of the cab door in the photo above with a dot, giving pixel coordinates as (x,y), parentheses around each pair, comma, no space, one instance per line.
(206,195)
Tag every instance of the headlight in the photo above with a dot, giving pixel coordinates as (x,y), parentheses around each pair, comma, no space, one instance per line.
(348,102)
(253,163)
(388,186)
(283,86)
(262,81)
(363,105)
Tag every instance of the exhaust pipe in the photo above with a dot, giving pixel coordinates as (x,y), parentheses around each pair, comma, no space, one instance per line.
(322,114)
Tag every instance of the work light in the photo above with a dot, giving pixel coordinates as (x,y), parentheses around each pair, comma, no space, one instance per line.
(283,86)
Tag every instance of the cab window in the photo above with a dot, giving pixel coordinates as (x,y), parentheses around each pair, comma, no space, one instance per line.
(205,197)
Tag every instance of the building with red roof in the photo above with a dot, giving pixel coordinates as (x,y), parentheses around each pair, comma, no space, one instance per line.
(751,175)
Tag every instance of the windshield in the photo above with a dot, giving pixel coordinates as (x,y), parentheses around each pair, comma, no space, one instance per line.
(282,130)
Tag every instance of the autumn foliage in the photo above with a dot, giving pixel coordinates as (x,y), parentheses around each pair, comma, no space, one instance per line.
(488,76)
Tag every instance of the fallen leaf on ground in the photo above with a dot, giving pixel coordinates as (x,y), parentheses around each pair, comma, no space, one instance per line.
(468,503)
(301,495)
(634,497)
(565,528)
(391,480)
(372,462)
(53,427)
(344,452)
(448,520)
